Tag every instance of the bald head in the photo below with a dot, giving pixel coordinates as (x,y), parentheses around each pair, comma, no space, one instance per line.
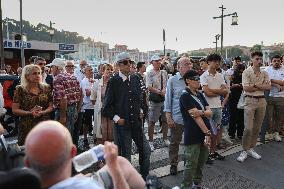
(48,147)
(183,65)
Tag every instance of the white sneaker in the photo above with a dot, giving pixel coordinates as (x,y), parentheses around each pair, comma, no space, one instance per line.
(151,146)
(226,138)
(253,154)
(268,136)
(166,142)
(243,156)
(276,137)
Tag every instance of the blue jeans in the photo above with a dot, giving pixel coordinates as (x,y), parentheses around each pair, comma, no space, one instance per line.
(123,135)
(71,113)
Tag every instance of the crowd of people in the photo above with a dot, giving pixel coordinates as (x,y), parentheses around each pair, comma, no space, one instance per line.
(210,108)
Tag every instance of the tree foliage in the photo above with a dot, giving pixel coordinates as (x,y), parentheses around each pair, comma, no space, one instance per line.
(40,32)
(255,48)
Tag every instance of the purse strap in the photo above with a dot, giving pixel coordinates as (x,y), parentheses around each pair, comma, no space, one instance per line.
(161,80)
(197,100)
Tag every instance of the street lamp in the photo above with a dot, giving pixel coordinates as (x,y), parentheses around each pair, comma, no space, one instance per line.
(21,32)
(51,31)
(2,63)
(234,22)
(216,41)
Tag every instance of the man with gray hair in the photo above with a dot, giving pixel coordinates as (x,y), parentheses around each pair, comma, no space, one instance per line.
(67,95)
(175,86)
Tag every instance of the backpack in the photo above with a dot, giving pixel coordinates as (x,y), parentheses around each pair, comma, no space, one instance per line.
(11,156)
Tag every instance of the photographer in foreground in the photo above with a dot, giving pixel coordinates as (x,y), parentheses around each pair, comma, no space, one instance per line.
(52,159)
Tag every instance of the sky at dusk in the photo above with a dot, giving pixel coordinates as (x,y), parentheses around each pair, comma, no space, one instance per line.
(139,24)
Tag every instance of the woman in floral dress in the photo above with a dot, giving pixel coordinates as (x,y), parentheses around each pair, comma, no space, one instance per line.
(32,101)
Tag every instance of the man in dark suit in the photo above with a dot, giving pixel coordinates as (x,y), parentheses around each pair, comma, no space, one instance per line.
(123,103)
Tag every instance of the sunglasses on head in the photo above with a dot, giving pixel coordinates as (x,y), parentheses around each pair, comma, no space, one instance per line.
(195,78)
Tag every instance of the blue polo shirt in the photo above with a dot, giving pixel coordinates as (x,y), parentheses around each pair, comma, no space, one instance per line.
(192,132)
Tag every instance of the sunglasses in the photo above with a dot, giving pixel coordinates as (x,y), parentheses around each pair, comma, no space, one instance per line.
(125,62)
(41,64)
(195,78)
(70,66)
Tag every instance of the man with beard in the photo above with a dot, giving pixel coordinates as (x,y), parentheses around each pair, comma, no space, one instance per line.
(255,82)
(275,104)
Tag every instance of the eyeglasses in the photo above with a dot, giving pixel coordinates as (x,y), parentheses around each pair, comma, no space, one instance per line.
(195,78)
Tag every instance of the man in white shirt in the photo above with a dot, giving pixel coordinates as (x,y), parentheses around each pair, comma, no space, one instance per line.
(275,104)
(79,72)
(213,85)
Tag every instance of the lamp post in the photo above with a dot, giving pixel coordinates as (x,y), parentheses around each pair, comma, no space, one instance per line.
(21,32)
(234,22)
(164,41)
(2,63)
(216,42)
(51,31)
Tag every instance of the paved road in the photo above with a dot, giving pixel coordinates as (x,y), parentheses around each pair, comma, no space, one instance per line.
(267,173)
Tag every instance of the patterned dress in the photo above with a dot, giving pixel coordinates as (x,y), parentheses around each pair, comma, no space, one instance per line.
(27,101)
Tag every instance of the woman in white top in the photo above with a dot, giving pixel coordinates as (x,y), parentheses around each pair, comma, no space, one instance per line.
(104,126)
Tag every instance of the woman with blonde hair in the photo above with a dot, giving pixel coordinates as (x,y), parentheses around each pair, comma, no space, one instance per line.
(103,126)
(32,101)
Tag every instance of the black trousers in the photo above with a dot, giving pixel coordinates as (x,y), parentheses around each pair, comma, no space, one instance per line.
(123,135)
(236,120)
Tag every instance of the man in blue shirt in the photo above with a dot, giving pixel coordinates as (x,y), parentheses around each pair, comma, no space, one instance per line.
(175,85)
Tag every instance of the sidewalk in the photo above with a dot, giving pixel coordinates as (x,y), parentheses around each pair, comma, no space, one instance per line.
(266,173)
